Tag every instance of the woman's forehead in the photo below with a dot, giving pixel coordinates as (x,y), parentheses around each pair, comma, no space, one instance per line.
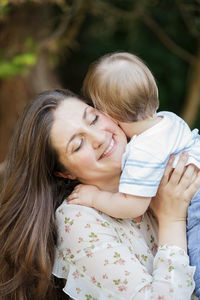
(71,107)
(68,119)
(69,115)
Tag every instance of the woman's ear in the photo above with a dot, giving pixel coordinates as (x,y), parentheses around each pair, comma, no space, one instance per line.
(63,175)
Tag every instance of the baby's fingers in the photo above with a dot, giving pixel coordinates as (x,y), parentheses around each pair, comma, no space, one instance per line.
(74,201)
(78,201)
(77,187)
(72,196)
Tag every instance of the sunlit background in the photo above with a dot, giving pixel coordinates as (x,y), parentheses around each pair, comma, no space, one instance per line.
(48,44)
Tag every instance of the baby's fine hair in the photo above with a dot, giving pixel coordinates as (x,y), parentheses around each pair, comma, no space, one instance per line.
(121,85)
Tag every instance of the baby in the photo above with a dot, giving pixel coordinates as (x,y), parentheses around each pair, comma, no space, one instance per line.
(123,87)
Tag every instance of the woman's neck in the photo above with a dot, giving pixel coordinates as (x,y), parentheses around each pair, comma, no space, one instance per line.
(110,184)
(136,128)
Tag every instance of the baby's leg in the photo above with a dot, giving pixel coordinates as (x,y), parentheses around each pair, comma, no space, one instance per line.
(193,235)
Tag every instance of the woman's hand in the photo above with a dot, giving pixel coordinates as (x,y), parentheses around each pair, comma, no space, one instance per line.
(175,191)
(170,205)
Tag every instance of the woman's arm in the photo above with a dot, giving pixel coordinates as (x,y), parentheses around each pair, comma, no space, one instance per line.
(172,200)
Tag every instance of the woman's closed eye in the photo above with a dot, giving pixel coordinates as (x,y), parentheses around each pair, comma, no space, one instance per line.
(94,120)
(92,116)
(78,146)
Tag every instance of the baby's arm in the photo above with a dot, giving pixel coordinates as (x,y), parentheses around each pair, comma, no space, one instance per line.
(117,205)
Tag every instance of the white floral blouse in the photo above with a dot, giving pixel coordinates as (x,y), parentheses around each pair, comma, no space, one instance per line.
(104,258)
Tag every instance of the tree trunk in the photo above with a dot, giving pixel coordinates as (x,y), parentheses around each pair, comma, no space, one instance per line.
(192,103)
(22,23)
(16,92)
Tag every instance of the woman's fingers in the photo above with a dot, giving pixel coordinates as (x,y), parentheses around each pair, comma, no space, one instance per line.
(168,170)
(189,176)
(193,188)
(179,170)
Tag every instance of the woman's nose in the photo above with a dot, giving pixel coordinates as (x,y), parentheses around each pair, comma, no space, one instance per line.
(97,138)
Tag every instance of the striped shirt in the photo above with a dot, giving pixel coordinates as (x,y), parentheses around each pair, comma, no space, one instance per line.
(147,154)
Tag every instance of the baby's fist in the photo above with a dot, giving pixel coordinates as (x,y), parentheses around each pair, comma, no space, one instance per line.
(83,194)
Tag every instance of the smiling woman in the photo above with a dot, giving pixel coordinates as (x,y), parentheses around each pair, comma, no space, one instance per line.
(89,144)
(59,141)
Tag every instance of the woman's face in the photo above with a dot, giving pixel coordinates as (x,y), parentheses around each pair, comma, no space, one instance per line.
(89,144)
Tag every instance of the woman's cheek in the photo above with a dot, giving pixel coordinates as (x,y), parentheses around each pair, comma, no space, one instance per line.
(107,121)
(86,159)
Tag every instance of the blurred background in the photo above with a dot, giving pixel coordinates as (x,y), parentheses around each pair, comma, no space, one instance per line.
(46,44)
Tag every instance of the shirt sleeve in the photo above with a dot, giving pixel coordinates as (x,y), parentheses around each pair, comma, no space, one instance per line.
(142,167)
(97,266)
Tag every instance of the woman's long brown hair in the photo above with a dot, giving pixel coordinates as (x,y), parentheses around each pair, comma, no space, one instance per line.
(31,193)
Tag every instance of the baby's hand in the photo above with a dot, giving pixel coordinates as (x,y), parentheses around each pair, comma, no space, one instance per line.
(83,195)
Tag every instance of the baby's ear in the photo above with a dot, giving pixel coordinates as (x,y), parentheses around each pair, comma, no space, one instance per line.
(63,175)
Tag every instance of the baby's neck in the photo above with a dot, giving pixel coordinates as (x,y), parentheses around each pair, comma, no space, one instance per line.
(136,128)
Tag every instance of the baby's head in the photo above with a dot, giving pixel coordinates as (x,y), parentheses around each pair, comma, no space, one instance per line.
(122,86)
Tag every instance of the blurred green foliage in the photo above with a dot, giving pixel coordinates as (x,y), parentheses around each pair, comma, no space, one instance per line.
(19,64)
(4,8)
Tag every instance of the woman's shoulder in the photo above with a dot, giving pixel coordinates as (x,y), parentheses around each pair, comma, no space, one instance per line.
(66,210)
(80,228)
(70,216)
(87,217)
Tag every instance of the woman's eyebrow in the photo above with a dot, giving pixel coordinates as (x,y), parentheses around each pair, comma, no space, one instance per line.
(74,135)
(85,112)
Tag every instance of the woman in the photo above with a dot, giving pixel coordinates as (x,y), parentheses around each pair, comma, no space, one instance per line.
(61,140)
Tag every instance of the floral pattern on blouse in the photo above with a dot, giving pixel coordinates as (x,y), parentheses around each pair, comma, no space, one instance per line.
(103,258)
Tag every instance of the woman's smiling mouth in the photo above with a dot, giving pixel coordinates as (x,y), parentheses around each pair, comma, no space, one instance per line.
(110,149)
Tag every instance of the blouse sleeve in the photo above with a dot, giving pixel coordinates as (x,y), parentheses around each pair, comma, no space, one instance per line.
(98,266)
